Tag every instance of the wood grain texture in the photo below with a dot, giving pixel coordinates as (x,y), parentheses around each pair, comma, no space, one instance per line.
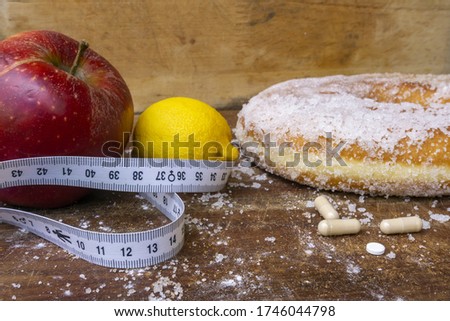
(255,240)
(225,51)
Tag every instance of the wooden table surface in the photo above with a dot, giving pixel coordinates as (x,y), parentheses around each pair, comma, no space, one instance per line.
(255,240)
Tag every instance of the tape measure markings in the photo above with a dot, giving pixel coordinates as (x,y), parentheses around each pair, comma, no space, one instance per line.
(91,173)
(156,180)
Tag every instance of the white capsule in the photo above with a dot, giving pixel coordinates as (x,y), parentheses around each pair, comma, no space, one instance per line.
(325,208)
(339,227)
(408,224)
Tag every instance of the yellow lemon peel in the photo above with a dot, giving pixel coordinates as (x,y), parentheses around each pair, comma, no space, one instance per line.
(183,128)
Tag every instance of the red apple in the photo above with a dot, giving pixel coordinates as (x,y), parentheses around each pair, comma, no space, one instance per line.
(57,97)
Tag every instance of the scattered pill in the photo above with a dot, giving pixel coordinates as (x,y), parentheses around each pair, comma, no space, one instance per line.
(339,227)
(375,248)
(325,209)
(408,224)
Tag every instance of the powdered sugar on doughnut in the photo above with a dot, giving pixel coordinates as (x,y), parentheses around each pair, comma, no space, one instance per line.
(313,106)
(382,134)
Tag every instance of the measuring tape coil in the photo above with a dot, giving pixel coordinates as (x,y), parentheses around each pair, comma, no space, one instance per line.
(157,180)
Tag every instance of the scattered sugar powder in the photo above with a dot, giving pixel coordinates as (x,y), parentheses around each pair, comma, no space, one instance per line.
(219,204)
(270,239)
(439,217)
(256,185)
(105,229)
(249,171)
(232,282)
(166,289)
(220,257)
(309,216)
(434,203)
(228,283)
(353,268)
(221,200)
(84,224)
(261,177)
(391,255)
(310,204)
(425,225)
(39,246)
(367,219)
(352,207)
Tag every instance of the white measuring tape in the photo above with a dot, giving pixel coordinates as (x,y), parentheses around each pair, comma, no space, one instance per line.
(157,179)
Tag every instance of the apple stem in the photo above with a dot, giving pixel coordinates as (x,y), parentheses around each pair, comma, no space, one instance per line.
(81,49)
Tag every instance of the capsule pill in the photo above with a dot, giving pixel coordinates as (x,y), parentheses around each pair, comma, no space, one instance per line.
(325,208)
(339,227)
(408,224)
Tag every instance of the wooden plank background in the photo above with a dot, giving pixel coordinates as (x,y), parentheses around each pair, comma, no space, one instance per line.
(225,51)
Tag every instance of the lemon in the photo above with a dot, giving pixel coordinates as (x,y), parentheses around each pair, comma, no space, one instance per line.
(183,128)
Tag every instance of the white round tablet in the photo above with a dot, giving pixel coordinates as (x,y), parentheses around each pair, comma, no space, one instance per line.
(375,248)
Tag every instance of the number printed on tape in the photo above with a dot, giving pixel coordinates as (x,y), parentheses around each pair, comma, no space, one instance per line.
(157,180)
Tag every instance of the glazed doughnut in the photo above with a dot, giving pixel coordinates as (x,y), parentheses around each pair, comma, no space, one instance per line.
(377,134)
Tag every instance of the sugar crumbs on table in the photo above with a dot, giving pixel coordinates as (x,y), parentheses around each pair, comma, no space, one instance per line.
(425,225)
(39,246)
(84,224)
(166,289)
(439,217)
(352,207)
(391,255)
(352,268)
(368,218)
(310,204)
(256,185)
(228,283)
(220,257)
